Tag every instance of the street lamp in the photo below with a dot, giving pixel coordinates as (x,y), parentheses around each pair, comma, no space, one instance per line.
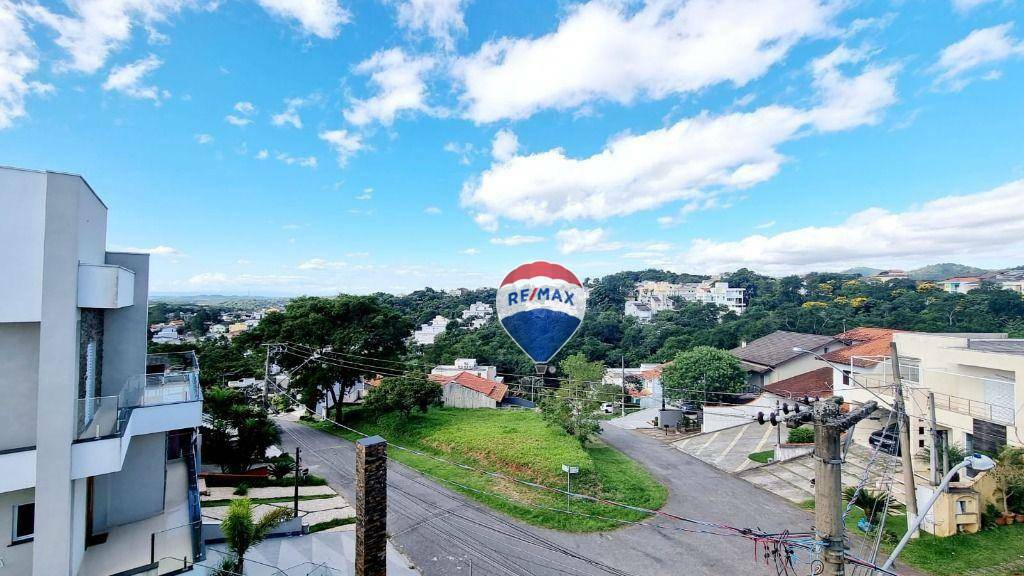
(977,462)
(569,471)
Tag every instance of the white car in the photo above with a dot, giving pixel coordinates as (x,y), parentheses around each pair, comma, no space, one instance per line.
(608,408)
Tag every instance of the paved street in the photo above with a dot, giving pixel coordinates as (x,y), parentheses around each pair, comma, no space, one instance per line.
(444,533)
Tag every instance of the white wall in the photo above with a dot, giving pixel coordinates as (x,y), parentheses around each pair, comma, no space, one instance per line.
(17,559)
(125,330)
(22,195)
(137,491)
(19,367)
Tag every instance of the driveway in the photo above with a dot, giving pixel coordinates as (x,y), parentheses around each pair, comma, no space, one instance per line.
(443,532)
(728,449)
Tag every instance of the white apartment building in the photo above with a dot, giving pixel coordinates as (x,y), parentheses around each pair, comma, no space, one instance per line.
(98,453)
(653,297)
(429,331)
(468,365)
(477,314)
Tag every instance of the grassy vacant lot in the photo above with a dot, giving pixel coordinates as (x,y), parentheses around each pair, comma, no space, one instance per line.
(520,444)
(958,554)
(762,457)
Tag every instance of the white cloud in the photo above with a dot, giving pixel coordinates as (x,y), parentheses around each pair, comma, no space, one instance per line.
(203,138)
(243,262)
(573,240)
(128,79)
(464,151)
(304,161)
(93,30)
(237,120)
(981,49)
(765,225)
(321,264)
(17,61)
(322,18)
(694,159)
(344,143)
(505,145)
(517,240)
(367,194)
(245,108)
(432,210)
(292,226)
(262,155)
(987,227)
(600,51)
(963,6)
(401,86)
(245,111)
(470,251)
(441,19)
(290,114)
(159,250)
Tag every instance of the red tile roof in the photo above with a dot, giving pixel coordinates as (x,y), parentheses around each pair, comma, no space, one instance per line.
(490,388)
(814,383)
(863,343)
(653,373)
(963,279)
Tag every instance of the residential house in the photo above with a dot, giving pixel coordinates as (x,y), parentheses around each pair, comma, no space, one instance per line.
(467,390)
(477,315)
(653,297)
(469,365)
(887,275)
(167,335)
(814,384)
(1012,279)
(773,357)
(97,450)
(429,331)
(960,284)
(643,383)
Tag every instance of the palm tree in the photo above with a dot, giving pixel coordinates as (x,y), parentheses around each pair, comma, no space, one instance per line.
(242,531)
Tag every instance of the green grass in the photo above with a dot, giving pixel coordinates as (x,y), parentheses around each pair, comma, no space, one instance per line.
(334,522)
(762,457)
(274,500)
(948,556)
(520,444)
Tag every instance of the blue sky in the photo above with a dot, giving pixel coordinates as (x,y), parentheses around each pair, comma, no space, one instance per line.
(317,146)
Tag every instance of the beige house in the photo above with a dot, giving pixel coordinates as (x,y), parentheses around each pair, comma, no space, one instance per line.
(977,382)
(774,357)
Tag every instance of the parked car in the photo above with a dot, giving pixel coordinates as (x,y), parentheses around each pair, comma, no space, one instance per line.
(887,439)
(608,408)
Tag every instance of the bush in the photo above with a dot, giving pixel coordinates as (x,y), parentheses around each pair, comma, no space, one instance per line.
(401,394)
(242,489)
(988,517)
(282,466)
(801,435)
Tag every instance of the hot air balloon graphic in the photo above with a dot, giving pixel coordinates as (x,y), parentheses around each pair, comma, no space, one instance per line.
(541,306)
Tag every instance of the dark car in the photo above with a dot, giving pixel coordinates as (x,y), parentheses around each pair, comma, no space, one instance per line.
(887,439)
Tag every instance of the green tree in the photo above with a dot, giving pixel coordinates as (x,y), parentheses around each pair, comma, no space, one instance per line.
(703,373)
(1009,474)
(242,531)
(402,394)
(236,435)
(574,404)
(341,333)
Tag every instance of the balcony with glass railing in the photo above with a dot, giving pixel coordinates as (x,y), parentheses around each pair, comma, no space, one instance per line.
(170,378)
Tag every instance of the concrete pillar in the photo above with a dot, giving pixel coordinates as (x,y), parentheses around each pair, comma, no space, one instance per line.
(371,506)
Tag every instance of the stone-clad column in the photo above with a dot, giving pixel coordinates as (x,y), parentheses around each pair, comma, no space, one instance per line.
(371,506)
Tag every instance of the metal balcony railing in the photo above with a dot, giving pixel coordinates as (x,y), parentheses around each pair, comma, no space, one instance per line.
(170,378)
(975,408)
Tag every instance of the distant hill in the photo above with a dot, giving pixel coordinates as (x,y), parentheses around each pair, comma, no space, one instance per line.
(862,270)
(227,301)
(943,271)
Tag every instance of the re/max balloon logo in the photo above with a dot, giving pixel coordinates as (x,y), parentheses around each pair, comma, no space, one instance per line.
(541,294)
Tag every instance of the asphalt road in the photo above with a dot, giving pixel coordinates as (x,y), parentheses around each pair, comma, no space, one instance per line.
(443,532)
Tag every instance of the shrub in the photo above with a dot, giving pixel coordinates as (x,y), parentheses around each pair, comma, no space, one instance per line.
(801,435)
(282,466)
(242,489)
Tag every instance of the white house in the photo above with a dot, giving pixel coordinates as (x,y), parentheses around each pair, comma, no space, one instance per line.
(653,297)
(961,284)
(429,331)
(97,447)
(470,366)
(477,314)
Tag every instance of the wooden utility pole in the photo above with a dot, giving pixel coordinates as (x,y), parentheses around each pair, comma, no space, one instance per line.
(909,490)
(622,373)
(829,425)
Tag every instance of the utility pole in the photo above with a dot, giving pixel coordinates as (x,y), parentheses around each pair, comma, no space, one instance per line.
(298,474)
(829,425)
(266,376)
(622,373)
(933,459)
(910,492)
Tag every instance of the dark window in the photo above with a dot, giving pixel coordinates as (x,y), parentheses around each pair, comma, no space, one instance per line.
(920,429)
(24,521)
(846,378)
(989,437)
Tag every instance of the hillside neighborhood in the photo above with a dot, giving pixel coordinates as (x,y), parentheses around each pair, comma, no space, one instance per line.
(484,288)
